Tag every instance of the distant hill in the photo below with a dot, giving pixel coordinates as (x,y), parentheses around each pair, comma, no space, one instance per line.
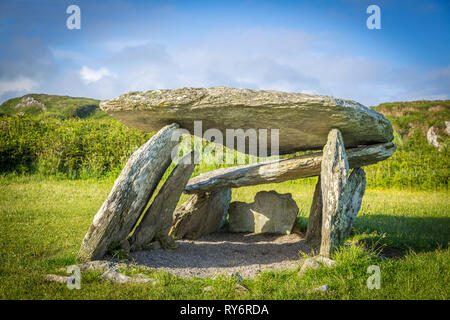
(418,119)
(62,107)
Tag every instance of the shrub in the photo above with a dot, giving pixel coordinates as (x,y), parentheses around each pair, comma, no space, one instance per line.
(85,148)
(71,147)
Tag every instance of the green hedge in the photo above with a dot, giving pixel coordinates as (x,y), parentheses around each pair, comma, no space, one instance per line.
(86,148)
(74,148)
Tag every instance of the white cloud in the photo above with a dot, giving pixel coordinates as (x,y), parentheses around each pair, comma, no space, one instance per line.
(258,58)
(89,75)
(21,84)
(277,59)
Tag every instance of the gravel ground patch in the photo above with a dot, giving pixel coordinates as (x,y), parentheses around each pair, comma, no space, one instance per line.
(227,253)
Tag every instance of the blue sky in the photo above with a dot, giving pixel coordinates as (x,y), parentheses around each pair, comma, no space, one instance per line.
(320,47)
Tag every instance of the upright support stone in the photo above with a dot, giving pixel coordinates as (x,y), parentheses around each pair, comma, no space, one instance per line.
(341,196)
(129,195)
(203,213)
(314,229)
(157,219)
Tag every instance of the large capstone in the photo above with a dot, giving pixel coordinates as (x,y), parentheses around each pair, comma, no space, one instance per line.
(303,120)
(270,212)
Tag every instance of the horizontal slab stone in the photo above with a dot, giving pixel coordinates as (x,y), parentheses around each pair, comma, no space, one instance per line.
(303,120)
(283,170)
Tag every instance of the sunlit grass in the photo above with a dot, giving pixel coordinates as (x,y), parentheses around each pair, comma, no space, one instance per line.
(43,221)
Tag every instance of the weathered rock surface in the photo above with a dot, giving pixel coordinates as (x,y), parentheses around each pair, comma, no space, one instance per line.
(432,138)
(154,245)
(28,101)
(323,288)
(57,278)
(303,120)
(157,220)
(327,262)
(121,278)
(315,263)
(129,195)
(314,229)
(239,288)
(203,213)
(99,265)
(334,174)
(341,196)
(270,212)
(308,264)
(282,170)
(350,204)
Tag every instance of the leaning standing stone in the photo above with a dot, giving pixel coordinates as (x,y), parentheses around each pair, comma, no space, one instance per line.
(129,195)
(203,213)
(157,219)
(342,196)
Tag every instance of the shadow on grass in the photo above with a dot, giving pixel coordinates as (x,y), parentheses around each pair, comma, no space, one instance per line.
(397,235)
(390,236)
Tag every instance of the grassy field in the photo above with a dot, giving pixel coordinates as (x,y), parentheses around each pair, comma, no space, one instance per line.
(43,221)
(58,165)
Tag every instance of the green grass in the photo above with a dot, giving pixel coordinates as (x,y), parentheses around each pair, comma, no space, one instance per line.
(416,115)
(57,167)
(43,221)
(416,164)
(72,148)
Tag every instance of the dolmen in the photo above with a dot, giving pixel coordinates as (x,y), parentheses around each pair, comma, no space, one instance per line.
(341,137)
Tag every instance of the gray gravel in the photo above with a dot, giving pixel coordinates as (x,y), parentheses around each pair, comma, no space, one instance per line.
(227,253)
